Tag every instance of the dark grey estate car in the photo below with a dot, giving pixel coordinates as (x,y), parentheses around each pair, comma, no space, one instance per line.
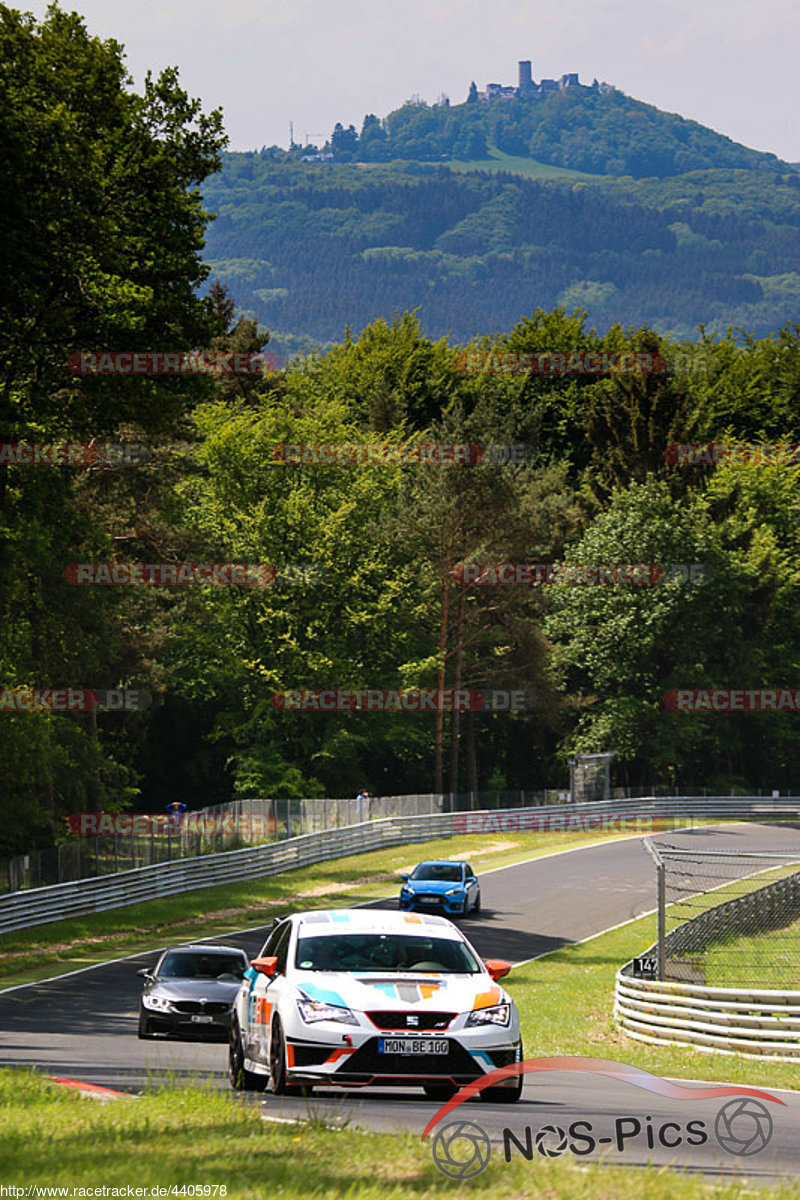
(190,991)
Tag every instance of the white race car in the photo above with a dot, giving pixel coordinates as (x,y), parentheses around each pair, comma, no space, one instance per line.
(358,996)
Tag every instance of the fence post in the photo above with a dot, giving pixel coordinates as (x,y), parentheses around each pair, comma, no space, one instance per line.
(662,916)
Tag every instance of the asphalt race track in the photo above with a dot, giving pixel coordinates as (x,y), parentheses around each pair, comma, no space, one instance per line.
(83,1026)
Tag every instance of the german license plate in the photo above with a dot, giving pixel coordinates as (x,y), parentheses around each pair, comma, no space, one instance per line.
(202,1020)
(413,1045)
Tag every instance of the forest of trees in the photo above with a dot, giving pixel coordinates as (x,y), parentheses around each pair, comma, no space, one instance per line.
(308,249)
(103,250)
(602,132)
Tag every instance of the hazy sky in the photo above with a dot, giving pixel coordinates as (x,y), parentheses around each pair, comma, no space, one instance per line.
(730,64)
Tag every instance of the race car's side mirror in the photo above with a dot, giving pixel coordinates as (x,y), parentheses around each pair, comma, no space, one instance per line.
(145,973)
(404,878)
(265,966)
(497,967)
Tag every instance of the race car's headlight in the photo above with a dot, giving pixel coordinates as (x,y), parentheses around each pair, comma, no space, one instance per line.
(500,1014)
(452,891)
(318,1010)
(157,1002)
(405,891)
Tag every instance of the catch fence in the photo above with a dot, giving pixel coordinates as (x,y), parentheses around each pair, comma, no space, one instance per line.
(728,919)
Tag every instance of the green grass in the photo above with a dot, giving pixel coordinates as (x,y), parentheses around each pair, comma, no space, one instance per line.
(527,167)
(47,950)
(201,1137)
(766,960)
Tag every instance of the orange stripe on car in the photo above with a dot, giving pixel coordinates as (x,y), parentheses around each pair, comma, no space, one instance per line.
(340,1053)
(487,999)
(263,1011)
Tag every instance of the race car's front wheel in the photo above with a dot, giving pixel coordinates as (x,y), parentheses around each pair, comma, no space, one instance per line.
(241,1080)
(439,1091)
(277,1066)
(144,1025)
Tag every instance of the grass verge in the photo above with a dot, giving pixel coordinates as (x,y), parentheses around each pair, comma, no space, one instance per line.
(768,960)
(47,950)
(198,1137)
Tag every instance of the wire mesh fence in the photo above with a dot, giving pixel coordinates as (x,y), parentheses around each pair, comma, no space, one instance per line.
(729,919)
(102,844)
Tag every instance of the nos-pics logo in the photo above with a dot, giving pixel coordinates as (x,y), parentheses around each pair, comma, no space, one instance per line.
(462,1149)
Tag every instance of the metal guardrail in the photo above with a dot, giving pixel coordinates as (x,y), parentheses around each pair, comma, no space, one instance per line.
(755,1023)
(38,906)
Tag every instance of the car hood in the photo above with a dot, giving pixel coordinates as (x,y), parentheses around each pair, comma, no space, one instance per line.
(363,991)
(194,989)
(433,885)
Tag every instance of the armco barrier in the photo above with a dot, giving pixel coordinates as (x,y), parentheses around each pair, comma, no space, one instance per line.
(754,1023)
(39,906)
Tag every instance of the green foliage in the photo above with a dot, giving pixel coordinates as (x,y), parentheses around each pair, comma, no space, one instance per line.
(312,248)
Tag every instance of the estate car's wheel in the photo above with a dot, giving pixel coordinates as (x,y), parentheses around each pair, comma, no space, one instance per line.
(241,1080)
(439,1091)
(277,1066)
(144,1025)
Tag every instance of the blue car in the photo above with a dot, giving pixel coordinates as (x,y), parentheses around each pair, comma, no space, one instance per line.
(443,886)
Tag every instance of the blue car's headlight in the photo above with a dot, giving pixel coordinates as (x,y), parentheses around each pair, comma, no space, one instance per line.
(318,1010)
(499,1014)
(452,891)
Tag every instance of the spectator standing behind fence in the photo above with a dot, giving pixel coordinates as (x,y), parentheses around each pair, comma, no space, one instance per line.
(175,810)
(362,805)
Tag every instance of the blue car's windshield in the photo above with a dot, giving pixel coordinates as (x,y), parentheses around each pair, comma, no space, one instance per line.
(443,872)
(385,952)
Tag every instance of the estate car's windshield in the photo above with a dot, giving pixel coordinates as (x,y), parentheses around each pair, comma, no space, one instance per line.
(443,872)
(384,952)
(202,966)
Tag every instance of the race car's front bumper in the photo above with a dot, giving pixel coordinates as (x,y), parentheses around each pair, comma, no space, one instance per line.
(313,1062)
(433,902)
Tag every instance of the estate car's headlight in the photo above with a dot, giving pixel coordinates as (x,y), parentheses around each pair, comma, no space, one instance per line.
(500,1014)
(318,1010)
(157,1002)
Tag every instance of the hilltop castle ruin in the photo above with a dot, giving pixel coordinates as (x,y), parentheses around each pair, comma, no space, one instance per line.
(526,89)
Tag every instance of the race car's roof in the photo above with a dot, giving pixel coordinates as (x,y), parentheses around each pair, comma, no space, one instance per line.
(374,920)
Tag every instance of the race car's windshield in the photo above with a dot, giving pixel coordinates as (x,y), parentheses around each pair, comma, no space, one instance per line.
(443,872)
(385,952)
(202,966)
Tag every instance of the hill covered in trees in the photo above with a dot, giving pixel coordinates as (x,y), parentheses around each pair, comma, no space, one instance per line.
(311,248)
(601,131)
